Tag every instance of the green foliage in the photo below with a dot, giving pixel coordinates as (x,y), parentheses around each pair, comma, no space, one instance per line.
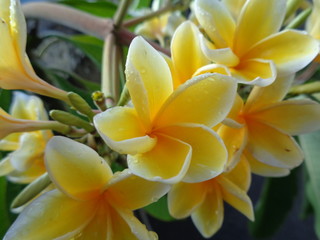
(5,96)
(4,216)
(276,201)
(159,210)
(310,146)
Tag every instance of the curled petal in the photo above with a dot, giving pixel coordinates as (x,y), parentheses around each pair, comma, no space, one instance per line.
(133,192)
(272,147)
(216,20)
(122,130)
(255,72)
(213,68)
(290,50)
(209,154)
(292,117)
(258,19)
(162,163)
(184,198)
(53,215)
(208,217)
(76,169)
(205,99)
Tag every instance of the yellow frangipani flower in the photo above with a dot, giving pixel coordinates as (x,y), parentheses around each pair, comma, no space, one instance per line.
(15,68)
(167,135)
(26,161)
(89,202)
(204,200)
(251,45)
(266,124)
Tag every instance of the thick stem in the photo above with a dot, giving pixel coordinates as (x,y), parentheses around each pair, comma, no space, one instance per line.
(121,13)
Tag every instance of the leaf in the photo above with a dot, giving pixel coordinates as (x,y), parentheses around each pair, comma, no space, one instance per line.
(100,8)
(276,201)
(5,96)
(159,210)
(4,216)
(310,145)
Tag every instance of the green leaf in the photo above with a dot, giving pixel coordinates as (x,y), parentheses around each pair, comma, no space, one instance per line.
(276,201)
(159,210)
(4,216)
(310,145)
(5,96)
(100,8)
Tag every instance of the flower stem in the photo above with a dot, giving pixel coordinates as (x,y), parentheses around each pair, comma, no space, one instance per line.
(121,13)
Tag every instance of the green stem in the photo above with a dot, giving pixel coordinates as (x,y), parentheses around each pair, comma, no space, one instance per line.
(301,18)
(292,6)
(309,88)
(121,13)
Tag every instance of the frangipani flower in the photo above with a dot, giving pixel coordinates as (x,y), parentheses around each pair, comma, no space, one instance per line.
(25,163)
(16,71)
(89,202)
(204,200)
(267,126)
(251,45)
(167,134)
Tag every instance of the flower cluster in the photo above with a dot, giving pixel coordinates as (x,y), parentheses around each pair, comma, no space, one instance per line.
(192,125)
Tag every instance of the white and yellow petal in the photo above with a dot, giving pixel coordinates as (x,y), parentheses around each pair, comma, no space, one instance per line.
(122,130)
(76,169)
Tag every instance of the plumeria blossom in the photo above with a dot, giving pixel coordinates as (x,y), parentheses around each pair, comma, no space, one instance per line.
(16,70)
(167,133)
(25,162)
(249,42)
(89,202)
(266,124)
(204,201)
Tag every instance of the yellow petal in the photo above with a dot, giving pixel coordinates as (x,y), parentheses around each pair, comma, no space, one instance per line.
(217,21)
(213,68)
(209,154)
(292,117)
(235,140)
(149,79)
(186,51)
(260,96)
(240,175)
(5,166)
(184,198)
(167,162)
(290,50)
(208,217)
(7,145)
(126,226)
(234,7)
(265,170)
(272,147)
(122,130)
(236,197)
(204,99)
(30,148)
(75,168)
(255,72)
(258,19)
(133,192)
(51,216)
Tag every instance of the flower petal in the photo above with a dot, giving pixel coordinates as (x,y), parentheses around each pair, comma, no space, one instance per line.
(187,62)
(255,72)
(5,166)
(290,50)
(53,215)
(240,175)
(217,21)
(204,99)
(272,147)
(134,192)
(293,117)
(236,197)
(260,96)
(122,130)
(149,78)
(208,217)
(167,162)
(209,154)
(258,19)
(265,170)
(213,68)
(184,198)
(234,7)
(80,174)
